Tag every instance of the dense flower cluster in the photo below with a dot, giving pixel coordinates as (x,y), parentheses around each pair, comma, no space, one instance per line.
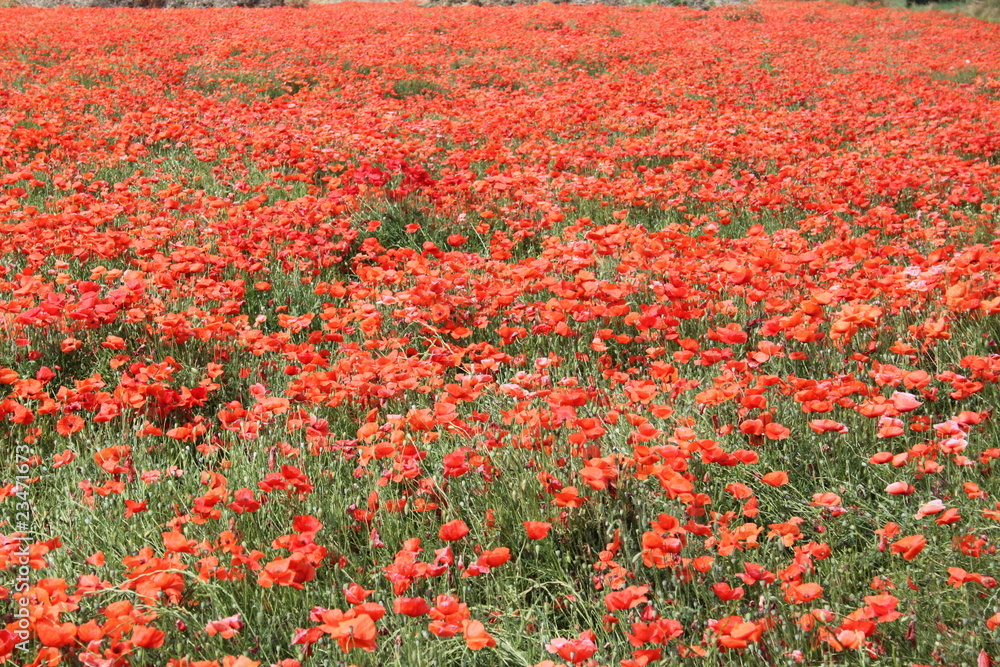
(538,336)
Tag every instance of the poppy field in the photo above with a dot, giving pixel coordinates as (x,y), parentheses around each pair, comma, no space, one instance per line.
(538,336)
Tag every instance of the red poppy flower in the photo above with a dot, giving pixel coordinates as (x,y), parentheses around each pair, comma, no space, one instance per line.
(453,531)
(537,530)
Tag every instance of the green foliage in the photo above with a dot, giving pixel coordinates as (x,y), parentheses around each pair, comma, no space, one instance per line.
(404,88)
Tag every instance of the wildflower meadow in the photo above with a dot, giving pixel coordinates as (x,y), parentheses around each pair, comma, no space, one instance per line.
(537,336)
